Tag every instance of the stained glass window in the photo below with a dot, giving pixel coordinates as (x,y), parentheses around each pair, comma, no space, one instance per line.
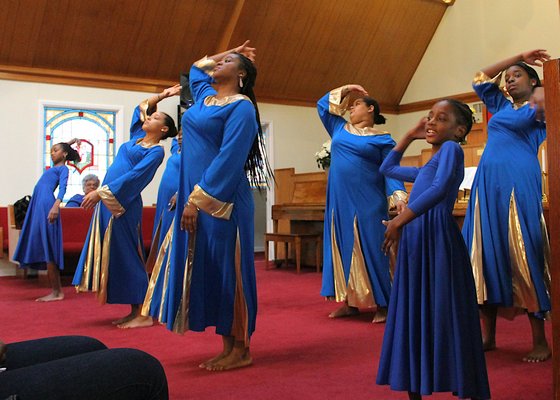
(95,128)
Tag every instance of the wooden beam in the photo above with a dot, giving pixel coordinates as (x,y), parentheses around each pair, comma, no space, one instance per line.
(225,41)
(469,97)
(552,90)
(42,75)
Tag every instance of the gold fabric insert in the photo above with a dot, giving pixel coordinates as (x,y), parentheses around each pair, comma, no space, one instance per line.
(338,270)
(476,255)
(104,278)
(158,264)
(181,323)
(546,251)
(240,325)
(337,104)
(398,195)
(367,131)
(224,101)
(210,204)
(110,201)
(93,257)
(206,64)
(481,78)
(360,292)
(524,294)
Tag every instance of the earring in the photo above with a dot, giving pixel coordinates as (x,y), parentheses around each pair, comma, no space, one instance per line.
(240,82)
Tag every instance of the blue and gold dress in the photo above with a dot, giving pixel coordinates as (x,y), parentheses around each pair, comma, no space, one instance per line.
(162,239)
(112,260)
(354,267)
(504,226)
(432,340)
(212,277)
(40,242)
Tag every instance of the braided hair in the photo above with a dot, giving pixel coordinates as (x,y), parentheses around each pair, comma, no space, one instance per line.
(463,115)
(257,166)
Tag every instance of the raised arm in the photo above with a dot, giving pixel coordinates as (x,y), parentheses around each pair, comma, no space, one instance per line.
(148,107)
(531,57)
(333,105)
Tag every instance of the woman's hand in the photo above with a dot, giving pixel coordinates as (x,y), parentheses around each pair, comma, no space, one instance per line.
(174,90)
(172,202)
(53,213)
(91,199)
(392,235)
(535,57)
(358,89)
(401,205)
(189,217)
(537,101)
(419,130)
(249,52)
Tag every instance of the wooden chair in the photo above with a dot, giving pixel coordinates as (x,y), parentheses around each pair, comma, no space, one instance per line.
(296,239)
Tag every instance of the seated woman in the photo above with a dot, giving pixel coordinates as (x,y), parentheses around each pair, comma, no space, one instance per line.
(89,184)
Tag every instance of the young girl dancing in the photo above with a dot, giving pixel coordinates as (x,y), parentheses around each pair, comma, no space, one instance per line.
(432,340)
(40,241)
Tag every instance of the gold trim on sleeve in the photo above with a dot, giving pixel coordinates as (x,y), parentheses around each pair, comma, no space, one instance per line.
(398,195)
(524,294)
(360,292)
(481,78)
(110,201)
(144,110)
(210,204)
(337,104)
(206,64)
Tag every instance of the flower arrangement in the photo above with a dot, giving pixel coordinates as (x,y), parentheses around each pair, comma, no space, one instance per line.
(323,156)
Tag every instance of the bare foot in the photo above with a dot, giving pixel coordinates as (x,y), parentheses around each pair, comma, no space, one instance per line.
(124,320)
(488,344)
(344,311)
(54,296)
(380,315)
(138,322)
(539,353)
(206,364)
(235,359)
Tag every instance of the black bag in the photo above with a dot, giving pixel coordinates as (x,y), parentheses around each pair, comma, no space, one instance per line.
(20,209)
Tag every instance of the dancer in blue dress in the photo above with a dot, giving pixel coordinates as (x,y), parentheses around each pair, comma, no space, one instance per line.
(162,238)
(355,271)
(432,340)
(112,260)
(504,226)
(40,241)
(212,276)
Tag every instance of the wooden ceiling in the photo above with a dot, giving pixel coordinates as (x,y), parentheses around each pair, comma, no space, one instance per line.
(304,47)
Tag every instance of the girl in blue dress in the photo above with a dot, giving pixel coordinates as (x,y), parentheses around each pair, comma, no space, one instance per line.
(355,271)
(162,238)
(504,226)
(40,241)
(212,276)
(432,340)
(112,260)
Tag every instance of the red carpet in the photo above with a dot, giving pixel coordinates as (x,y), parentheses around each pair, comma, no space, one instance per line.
(298,352)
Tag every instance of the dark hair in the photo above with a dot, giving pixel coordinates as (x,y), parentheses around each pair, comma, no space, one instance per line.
(172,129)
(463,114)
(257,166)
(378,119)
(530,71)
(71,153)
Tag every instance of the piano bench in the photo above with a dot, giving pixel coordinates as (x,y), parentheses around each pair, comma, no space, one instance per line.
(296,239)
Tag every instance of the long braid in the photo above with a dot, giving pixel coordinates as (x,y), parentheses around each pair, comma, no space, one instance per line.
(257,166)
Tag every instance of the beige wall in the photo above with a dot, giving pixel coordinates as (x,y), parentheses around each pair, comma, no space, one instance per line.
(473,34)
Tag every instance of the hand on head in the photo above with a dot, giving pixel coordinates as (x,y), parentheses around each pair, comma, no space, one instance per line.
(174,90)
(249,52)
(358,89)
(419,130)
(535,57)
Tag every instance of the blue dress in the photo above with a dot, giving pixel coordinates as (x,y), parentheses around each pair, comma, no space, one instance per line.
(112,260)
(40,242)
(432,340)
(75,201)
(212,277)
(354,267)
(504,225)
(162,239)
